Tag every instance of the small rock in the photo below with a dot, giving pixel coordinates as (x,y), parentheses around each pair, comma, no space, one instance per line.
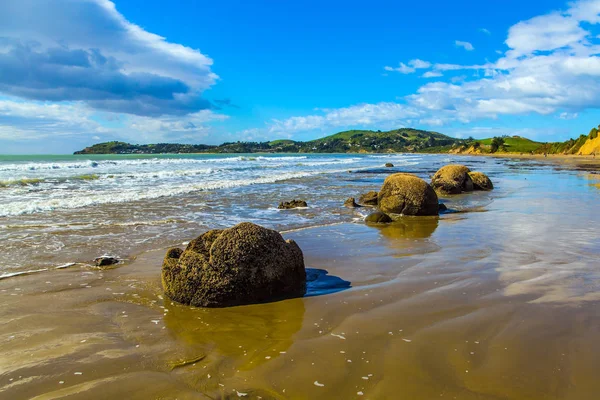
(285,205)
(442,207)
(378,218)
(481,181)
(368,199)
(389,165)
(105,260)
(351,203)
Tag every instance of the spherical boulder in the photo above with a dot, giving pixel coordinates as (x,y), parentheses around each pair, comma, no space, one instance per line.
(378,217)
(407,194)
(452,179)
(481,181)
(244,264)
(368,199)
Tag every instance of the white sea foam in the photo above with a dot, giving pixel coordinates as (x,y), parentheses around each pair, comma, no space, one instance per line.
(19,273)
(45,186)
(85,198)
(100,164)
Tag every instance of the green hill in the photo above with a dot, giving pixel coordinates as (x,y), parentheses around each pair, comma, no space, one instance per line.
(355,141)
(515,144)
(366,141)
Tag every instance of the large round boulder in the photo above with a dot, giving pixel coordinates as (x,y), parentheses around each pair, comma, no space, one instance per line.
(481,181)
(241,265)
(407,194)
(452,179)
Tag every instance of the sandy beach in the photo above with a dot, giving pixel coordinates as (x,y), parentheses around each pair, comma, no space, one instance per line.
(497,301)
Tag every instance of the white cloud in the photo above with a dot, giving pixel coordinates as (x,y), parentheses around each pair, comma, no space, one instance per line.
(419,64)
(552,65)
(432,74)
(412,66)
(486,31)
(566,115)
(33,120)
(87,51)
(544,33)
(402,68)
(465,45)
(383,113)
(80,71)
(431,121)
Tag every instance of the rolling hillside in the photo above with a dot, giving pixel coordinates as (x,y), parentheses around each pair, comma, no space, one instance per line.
(355,141)
(366,141)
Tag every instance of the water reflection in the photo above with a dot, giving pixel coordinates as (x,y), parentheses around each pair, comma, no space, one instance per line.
(594,180)
(410,228)
(251,334)
(409,235)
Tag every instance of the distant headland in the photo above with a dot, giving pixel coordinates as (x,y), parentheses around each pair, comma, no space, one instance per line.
(402,140)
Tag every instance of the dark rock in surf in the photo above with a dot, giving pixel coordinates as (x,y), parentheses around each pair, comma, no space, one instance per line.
(351,203)
(368,199)
(389,165)
(244,264)
(286,205)
(378,218)
(104,261)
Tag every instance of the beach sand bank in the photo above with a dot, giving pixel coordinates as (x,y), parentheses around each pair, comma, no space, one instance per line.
(497,301)
(433,311)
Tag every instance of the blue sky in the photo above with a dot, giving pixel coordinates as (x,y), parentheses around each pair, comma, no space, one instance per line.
(74,73)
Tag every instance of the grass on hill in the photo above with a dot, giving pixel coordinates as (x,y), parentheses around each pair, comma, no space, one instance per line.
(515,144)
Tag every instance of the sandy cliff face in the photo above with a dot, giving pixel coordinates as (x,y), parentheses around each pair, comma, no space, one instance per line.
(591,146)
(470,150)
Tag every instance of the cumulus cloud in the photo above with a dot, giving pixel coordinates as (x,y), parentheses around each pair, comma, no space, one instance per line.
(26,121)
(21,120)
(362,114)
(86,51)
(465,45)
(552,66)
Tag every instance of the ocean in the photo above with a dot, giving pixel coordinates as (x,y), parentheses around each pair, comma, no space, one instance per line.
(61,209)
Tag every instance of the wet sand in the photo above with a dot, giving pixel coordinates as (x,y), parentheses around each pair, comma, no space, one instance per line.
(500,302)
